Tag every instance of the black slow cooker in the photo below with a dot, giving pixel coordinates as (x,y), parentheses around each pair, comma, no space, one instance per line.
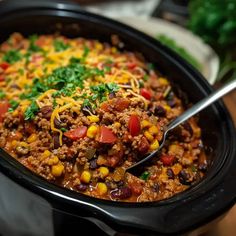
(29,205)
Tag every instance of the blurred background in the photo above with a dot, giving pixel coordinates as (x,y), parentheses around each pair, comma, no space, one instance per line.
(201,31)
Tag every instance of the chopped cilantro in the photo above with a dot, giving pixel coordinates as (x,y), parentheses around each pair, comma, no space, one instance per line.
(12,56)
(32,46)
(85,53)
(31,111)
(2,94)
(14,105)
(101,90)
(59,45)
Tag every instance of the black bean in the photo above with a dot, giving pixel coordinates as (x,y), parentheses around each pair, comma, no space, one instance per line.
(67,140)
(188,127)
(112,95)
(57,123)
(155,187)
(170,173)
(93,164)
(121,193)
(202,167)
(46,111)
(184,177)
(171,103)
(81,187)
(159,111)
(149,113)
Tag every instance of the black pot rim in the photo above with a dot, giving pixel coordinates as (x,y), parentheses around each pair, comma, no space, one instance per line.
(133,215)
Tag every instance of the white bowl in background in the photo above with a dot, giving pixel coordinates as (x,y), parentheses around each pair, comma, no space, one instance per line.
(193,44)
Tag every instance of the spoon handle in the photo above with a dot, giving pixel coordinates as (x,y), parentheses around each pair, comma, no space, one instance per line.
(202,104)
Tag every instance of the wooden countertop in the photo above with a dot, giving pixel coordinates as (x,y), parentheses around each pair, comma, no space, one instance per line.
(227,226)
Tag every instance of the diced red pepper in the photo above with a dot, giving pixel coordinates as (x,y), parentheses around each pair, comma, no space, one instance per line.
(134,125)
(106,135)
(4,106)
(145,93)
(4,65)
(167,160)
(77,133)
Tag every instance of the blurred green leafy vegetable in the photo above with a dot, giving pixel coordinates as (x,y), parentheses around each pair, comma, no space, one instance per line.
(215,22)
(169,42)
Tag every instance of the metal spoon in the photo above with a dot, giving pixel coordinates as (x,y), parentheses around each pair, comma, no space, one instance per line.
(188,114)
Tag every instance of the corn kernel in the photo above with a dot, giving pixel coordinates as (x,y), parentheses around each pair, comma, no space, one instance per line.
(15,113)
(176,168)
(167,108)
(53,161)
(113,49)
(117,125)
(153,130)
(23,144)
(101,188)
(92,131)
(57,170)
(93,118)
(85,177)
(145,123)
(154,145)
(148,135)
(104,171)
(14,143)
(98,46)
(46,154)
(163,81)
(32,138)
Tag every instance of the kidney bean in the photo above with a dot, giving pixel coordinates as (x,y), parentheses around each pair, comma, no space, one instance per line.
(81,187)
(121,193)
(46,112)
(159,111)
(143,145)
(56,142)
(170,173)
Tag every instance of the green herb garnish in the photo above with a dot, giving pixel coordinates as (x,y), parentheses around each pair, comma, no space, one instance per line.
(14,105)
(31,111)
(2,94)
(145,175)
(59,45)
(12,56)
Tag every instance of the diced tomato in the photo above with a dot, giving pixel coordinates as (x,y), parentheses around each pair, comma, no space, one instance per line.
(145,93)
(121,104)
(131,65)
(106,135)
(105,106)
(4,65)
(167,160)
(2,78)
(77,133)
(134,125)
(4,106)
